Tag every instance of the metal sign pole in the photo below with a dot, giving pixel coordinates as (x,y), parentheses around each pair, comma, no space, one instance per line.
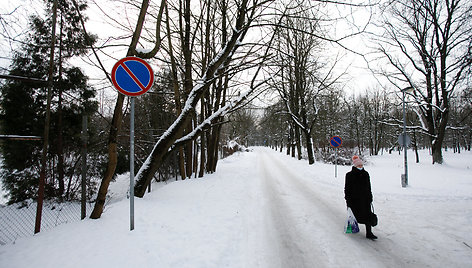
(405,178)
(404,138)
(336,142)
(132,77)
(336,162)
(131,166)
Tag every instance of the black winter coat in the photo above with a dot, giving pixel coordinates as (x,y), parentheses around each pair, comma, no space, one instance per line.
(358,194)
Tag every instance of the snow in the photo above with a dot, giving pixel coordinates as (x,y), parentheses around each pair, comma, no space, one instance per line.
(3,193)
(265,209)
(3,198)
(143,50)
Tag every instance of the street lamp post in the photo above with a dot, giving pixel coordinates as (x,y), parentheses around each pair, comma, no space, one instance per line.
(405,176)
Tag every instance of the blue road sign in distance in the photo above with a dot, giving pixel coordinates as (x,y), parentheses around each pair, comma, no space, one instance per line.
(132,76)
(336,141)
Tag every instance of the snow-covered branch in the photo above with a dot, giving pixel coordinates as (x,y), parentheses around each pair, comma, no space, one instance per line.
(209,121)
(408,128)
(215,69)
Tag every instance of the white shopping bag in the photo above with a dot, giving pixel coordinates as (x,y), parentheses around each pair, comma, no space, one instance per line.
(351,226)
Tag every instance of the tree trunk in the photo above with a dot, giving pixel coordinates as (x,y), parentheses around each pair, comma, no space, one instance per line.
(437,153)
(116,126)
(215,142)
(195,150)
(219,96)
(292,141)
(60,140)
(188,81)
(298,142)
(60,148)
(112,158)
(202,155)
(309,148)
(175,87)
(288,141)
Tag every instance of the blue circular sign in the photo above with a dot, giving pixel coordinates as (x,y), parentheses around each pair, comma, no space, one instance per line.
(132,76)
(336,141)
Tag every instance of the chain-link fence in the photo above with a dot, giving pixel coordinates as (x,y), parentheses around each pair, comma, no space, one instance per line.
(18,221)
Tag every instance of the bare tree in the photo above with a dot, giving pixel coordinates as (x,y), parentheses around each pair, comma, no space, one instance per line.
(302,72)
(428,44)
(376,106)
(243,14)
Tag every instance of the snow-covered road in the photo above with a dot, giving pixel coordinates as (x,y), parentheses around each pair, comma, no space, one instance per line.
(303,223)
(264,209)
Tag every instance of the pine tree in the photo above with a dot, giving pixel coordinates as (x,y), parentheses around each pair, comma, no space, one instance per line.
(23,104)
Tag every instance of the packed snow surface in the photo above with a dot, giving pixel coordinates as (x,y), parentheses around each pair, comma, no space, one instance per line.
(266,209)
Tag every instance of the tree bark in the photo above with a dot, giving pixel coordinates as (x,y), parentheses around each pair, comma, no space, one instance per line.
(188,82)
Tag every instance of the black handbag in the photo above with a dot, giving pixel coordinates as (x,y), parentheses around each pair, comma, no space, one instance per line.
(373,217)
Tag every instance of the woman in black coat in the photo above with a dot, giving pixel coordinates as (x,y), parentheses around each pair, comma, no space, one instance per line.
(358,194)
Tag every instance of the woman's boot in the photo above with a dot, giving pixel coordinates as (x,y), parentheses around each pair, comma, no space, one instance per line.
(369,233)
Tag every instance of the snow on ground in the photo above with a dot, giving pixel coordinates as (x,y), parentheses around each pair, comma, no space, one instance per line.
(3,193)
(3,198)
(265,209)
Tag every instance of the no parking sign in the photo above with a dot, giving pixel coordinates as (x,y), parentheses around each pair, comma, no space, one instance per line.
(336,142)
(132,76)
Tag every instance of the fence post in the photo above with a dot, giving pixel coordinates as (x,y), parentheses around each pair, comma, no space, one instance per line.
(84,167)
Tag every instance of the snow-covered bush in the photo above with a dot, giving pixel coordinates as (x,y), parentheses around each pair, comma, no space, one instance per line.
(231,147)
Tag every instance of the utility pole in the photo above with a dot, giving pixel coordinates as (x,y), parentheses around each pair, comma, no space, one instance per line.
(405,145)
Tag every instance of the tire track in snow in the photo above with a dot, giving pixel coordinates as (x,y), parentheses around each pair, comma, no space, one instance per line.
(283,241)
(306,224)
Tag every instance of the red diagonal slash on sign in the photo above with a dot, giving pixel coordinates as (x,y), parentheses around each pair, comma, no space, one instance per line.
(132,73)
(336,141)
(136,80)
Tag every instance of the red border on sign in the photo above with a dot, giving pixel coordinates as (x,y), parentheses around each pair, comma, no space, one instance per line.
(130,73)
(332,139)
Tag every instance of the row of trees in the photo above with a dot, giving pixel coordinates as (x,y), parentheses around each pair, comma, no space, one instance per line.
(368,124)
(428,46)
(202,53)
(214,57)
(205,52)
(425,46)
